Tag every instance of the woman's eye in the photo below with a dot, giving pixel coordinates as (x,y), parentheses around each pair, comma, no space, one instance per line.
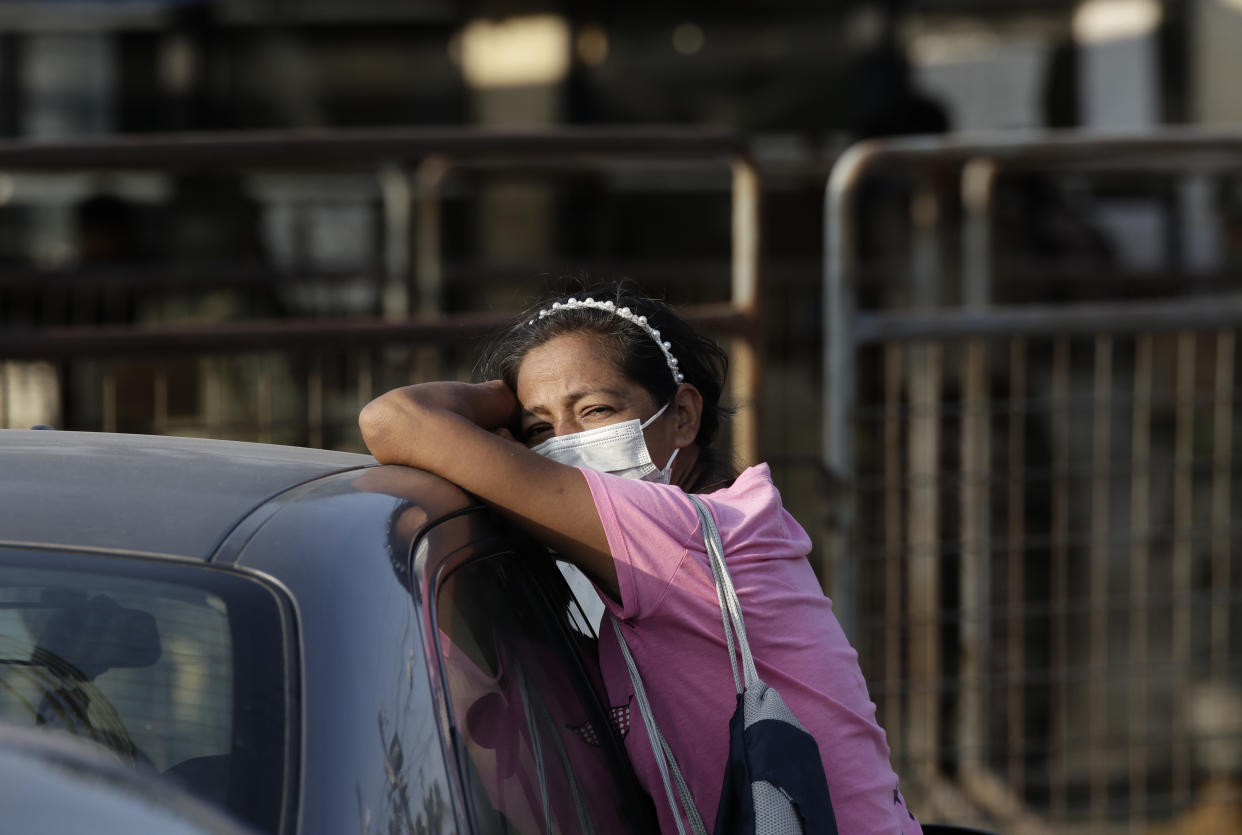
(598,411)
(536,433)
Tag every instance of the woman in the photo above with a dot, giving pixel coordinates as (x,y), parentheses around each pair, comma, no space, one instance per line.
(600,419)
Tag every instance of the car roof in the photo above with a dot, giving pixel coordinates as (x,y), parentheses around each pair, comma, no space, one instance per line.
(143,493)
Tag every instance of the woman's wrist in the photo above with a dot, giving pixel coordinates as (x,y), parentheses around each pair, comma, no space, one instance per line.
(398,426)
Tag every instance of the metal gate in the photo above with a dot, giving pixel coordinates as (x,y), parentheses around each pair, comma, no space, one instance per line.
(1034,552)
(303,381)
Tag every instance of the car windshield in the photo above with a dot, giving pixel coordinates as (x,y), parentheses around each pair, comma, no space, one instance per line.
(180,669)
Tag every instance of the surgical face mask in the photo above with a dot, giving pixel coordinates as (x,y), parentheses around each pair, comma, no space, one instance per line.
(619,449)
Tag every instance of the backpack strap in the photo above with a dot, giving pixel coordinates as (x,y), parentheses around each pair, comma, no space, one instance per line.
(730,606)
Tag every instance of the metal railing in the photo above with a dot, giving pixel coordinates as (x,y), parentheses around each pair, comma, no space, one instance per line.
(410,166)
(1033,548)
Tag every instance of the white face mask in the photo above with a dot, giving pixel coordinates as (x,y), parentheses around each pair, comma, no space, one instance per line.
(619,449)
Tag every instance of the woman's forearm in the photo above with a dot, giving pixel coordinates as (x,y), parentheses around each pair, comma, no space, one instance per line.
(456,431)
(409,425)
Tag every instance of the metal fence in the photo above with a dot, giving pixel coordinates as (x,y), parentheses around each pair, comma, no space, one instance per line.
(1034,546)
(304,381)
(1031,536)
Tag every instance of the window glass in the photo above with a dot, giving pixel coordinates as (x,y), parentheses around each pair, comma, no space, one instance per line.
(533,742)
(148,665)
(585,611)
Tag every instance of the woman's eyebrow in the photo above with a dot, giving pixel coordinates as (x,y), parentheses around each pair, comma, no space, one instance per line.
(575,396)
(572,398)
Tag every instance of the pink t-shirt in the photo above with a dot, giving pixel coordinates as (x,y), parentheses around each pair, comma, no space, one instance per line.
(671,620)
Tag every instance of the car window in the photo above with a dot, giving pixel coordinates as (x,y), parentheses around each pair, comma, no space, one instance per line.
(585,611)
(532,738)
(148,661)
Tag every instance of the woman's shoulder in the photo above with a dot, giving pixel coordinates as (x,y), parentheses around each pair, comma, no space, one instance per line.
(750,510)
(753,486)
(758,476)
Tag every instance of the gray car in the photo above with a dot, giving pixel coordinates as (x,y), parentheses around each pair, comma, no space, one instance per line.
(305,639)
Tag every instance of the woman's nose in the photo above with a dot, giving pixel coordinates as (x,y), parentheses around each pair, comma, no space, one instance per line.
(566,426)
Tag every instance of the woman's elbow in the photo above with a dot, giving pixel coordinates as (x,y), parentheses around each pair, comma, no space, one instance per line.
(378,422)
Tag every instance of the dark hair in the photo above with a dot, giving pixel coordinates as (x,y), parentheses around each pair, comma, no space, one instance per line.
(635,354)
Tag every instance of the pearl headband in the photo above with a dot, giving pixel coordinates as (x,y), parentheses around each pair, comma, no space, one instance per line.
(624,313)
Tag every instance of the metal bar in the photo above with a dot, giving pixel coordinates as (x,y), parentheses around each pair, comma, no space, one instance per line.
(347,148)
(429,269)
(415,360)
(1213,150)
(396,197)
(265,400)
(927,675)
(159,421)
(1222,473)
(366,380)
(705,271)
(62,374)
(925,271)
(923,530)
(214,384)
(743,384)
(974,577)
(1183,522)
(744,371)
(1204,312)
(1015,567)
(1140,509)
(745,379)
(108,399)
(429,260)
(1097,709)
(747,193)
(840,265)
(978,182)
(4,396)
(425,364)
(927,665)
(894,563)
(247,336)
(1059,744)
(314,403)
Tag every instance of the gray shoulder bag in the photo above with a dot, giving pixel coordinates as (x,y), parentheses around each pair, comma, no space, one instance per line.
(774,780)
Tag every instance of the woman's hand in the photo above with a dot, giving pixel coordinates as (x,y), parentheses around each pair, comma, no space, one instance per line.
(399,427)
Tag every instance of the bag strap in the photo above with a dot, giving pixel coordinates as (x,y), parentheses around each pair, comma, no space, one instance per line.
(731,616)
(665,761)
(730,606)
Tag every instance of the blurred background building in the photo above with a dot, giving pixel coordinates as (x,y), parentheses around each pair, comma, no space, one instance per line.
(1005,487)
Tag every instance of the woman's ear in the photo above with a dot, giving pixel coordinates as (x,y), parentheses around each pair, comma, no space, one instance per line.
(687,410)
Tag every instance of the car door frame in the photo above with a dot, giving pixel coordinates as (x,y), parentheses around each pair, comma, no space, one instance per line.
(464,538)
